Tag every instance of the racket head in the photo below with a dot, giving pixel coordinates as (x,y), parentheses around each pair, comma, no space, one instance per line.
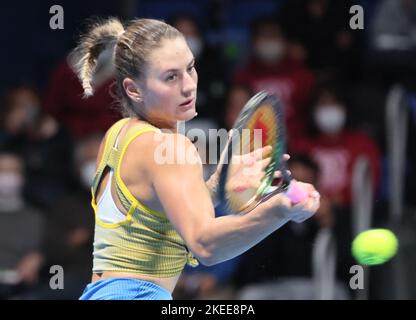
(261,122)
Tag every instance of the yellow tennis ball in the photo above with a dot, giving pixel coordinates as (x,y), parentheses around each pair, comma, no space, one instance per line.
(375,246)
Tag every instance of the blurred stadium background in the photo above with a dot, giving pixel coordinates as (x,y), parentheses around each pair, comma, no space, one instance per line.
(351,109)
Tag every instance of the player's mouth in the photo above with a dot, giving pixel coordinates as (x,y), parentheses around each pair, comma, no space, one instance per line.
(187,104)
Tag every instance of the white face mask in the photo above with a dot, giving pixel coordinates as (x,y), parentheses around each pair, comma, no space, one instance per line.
(88,173)
(330,119)
(11,184)
(195,45)
(270,51)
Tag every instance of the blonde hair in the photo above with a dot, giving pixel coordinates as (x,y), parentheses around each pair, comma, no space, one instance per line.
(131,47)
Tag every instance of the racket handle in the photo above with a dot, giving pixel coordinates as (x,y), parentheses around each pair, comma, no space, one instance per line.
(295,193)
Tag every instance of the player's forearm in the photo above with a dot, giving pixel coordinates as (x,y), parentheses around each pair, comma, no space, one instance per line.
(212,185)
(229,236)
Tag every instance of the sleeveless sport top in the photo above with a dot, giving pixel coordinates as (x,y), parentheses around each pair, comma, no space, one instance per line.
(143,241)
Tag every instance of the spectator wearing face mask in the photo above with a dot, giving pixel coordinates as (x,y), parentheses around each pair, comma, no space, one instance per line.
(40,140)
(21,231)
(285,259)
(69,229)
(211,66)
(271,68)
(335,147)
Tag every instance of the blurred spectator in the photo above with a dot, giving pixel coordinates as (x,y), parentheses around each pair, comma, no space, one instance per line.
(70,228)
(392,41)
(210,65)
(335,147)
(282,267)
(21,231)
(305,169)
(320,34)
(237,96)
(43,144)
(329,216)
(287,252)
(64,98)
(203,282)
(271,68)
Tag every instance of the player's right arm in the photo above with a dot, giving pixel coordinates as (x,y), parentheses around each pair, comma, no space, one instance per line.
(186,200)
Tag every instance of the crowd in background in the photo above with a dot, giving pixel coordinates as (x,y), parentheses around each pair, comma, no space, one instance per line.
(333,82)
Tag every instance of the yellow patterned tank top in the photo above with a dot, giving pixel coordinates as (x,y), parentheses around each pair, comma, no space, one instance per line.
(144,241)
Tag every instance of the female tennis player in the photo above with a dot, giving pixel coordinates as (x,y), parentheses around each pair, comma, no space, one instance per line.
(154,217)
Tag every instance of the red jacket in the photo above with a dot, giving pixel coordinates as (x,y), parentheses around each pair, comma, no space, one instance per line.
(290,80)
(336,159)
(64,100)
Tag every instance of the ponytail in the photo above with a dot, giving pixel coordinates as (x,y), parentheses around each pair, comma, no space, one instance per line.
(130,50)
(101,36)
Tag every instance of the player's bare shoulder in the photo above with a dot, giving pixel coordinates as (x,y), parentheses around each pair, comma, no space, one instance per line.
(171,148)
(165,148)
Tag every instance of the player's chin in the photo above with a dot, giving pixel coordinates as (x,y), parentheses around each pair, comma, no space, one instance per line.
(185,114)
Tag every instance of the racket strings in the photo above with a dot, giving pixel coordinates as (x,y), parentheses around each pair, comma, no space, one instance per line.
(261,130)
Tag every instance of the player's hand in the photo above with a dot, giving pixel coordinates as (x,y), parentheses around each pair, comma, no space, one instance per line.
(247,171)
(299,212)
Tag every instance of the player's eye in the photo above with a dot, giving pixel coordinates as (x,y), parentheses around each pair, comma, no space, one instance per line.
(191,68)
(171,77)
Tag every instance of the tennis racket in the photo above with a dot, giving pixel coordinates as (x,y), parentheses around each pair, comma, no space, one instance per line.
(260,123)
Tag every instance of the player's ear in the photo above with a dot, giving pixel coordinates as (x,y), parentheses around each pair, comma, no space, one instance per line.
(132,90)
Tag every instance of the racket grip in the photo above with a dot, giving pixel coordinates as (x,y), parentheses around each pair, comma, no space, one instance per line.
(295,193)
